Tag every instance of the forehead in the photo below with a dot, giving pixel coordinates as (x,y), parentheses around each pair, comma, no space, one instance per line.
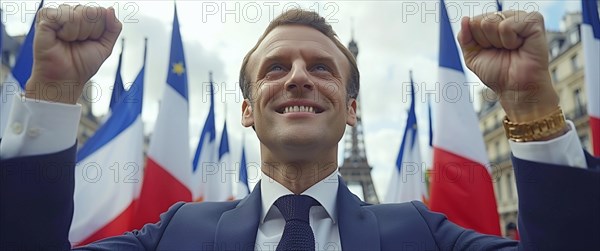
(297,39)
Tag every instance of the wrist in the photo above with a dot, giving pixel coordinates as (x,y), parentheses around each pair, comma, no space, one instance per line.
(523,107)
(66,92)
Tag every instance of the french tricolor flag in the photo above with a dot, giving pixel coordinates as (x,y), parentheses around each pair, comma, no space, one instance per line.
(15,82)
(206,166)
(242,188)
(118,91)
(408,179)
(226,168)
(590,36)
(168,166)
(461,184)
(108,171)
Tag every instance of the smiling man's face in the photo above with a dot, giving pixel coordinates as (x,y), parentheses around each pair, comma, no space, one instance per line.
(298,90)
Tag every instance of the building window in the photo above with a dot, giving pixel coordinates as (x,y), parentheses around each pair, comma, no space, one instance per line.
(585,142)
(497,149)
(575,62)
(499,188)
(554,76)
(12,60)
(6,58)
(509,186)
(578,100)
(574,36)
(555,49)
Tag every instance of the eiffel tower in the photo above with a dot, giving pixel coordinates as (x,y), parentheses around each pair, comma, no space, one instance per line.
(355,168)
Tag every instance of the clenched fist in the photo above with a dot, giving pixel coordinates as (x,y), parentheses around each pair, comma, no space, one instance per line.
(509,53)
(70,45)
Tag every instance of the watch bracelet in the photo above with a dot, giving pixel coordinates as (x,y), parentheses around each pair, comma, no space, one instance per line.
(537,129)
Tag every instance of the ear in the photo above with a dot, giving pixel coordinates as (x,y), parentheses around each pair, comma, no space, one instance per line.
(247,116)
(351,112)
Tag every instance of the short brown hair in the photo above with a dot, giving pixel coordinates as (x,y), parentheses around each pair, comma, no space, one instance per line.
(312,20)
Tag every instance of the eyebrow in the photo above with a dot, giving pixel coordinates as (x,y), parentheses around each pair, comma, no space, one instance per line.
(280,57)
(268,60)
(326,59)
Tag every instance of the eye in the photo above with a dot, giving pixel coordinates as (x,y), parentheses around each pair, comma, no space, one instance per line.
(274,71)
(320,67)
(275,67)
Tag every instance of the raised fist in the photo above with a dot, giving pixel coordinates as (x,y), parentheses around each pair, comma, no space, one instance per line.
(70,45)
(509,52)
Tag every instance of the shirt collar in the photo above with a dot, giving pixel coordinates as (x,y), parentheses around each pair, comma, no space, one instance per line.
(324,191)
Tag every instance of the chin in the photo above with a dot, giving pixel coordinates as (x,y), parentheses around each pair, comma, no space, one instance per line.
(302,140)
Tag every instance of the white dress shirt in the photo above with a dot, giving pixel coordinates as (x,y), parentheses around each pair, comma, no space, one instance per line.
(38,127)
(323,219)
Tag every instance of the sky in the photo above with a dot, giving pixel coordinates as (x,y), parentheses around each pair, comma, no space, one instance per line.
(393,37)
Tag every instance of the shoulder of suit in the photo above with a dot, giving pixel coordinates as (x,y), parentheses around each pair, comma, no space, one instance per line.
(200,214)
(207,207)
(396,209)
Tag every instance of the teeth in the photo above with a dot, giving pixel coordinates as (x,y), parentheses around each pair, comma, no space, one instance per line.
(299,109)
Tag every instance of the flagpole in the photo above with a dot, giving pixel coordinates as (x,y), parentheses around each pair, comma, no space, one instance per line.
(224,103)
(122,44)
(145,49)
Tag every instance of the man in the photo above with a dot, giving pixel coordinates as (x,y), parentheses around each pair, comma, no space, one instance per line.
(300,85)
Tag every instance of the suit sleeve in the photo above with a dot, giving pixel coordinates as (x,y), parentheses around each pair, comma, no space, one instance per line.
(147,238)
(559,209)
(449,236)
(36,194)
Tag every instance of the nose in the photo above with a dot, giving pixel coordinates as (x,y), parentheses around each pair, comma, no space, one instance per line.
(299,80)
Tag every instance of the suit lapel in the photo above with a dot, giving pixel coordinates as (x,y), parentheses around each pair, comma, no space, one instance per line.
(358,226)
(237,227)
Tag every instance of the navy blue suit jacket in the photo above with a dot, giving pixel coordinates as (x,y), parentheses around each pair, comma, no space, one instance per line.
(559,209)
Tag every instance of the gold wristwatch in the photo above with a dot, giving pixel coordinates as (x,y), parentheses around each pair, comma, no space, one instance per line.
(540,129)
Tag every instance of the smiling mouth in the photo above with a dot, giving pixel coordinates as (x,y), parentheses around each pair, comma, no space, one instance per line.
(300,108)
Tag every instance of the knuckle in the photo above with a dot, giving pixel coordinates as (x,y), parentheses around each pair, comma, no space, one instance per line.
(538,15)
(521,13)
(39,15)
(60,13)
(504,28)
(535,16)
(488,26)
(43,13)
(76,17)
